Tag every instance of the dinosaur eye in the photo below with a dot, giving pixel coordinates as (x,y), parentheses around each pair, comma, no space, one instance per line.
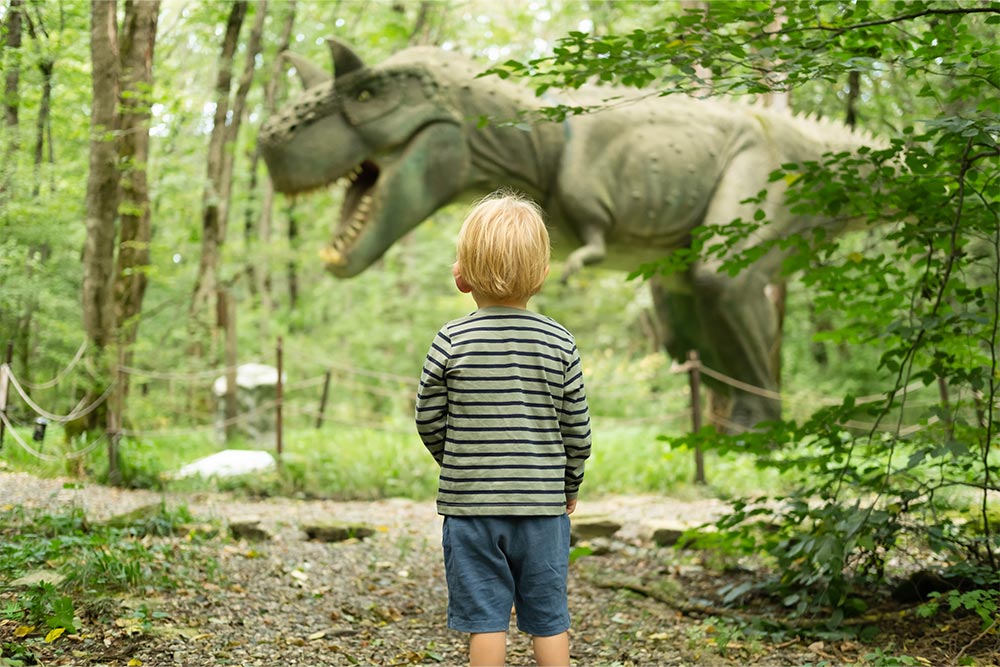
(364,95)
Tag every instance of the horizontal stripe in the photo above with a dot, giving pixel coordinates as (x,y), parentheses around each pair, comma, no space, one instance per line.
(540,480)
(524,504)
(537,455)
(508,342)
(501,466)
(493,492)
(502,429)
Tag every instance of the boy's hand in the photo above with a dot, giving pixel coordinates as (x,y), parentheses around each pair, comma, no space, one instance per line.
(570,506)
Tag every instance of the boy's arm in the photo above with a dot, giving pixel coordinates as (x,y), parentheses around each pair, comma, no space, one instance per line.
(432,397)
(574,422)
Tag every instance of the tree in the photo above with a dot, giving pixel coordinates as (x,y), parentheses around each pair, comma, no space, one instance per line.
(11,102)
(118,216)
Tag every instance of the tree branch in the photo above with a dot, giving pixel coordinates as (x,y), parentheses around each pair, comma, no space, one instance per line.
(895,19)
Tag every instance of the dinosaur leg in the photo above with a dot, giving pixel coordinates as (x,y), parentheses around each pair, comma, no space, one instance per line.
(688,323)
(739,332)
(738,322)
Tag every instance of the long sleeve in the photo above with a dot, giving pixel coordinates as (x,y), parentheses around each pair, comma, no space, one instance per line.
(432,397)
(574,423)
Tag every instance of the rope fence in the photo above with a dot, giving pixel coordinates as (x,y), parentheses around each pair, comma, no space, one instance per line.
(357,380)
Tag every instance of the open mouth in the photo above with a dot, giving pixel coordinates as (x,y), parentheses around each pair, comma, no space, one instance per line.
(353,212)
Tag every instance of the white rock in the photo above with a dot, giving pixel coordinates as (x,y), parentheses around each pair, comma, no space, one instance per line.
(229,463)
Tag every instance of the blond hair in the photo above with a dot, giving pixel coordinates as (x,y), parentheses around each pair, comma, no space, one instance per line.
(503,247)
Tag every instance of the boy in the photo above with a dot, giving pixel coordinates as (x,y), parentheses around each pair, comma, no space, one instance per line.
(502,409)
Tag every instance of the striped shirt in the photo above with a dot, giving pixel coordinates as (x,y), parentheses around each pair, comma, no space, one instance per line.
(503,410)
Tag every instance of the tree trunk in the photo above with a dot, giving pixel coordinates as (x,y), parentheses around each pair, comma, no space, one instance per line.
(138,41)
(853,93)
(11,96)
(212,228)
(293,245)
(102,207)
(44,123)
(102,179)
(236,116)
(119,148)
(258,223)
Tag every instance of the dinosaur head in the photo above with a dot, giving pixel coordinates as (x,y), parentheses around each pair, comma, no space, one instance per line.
(384,134)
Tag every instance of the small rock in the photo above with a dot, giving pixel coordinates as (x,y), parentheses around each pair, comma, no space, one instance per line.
(667,537)
(135,517)
(337,532)
(587,529)
(37,577)
(248,530)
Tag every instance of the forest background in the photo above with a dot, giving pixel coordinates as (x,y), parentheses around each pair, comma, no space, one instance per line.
(142,252)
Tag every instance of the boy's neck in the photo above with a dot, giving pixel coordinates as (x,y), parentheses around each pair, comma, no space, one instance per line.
(484,302)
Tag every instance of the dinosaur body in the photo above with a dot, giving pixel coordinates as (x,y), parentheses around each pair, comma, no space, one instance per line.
(623,186)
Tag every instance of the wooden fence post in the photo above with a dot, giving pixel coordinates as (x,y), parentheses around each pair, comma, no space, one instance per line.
(322,400)
(278,395)
(694,380)
(3,385)
(227,313)
(115,409)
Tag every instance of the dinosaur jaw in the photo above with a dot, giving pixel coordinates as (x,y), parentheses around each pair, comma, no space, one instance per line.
(355,212)
(389,195)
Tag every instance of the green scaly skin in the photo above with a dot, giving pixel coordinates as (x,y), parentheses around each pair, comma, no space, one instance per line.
(621,186)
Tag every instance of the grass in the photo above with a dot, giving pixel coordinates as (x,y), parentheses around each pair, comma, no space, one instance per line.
(346,462)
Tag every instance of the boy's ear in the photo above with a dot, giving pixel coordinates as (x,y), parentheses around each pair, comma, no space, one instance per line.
(460,283)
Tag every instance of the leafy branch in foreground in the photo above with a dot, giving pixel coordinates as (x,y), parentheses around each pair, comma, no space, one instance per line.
(882,484)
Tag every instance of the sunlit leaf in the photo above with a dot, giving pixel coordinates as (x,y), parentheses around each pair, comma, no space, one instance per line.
(54,634)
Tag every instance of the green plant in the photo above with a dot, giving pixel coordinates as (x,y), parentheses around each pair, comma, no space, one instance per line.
(984,602)
(44,605)
(869,477)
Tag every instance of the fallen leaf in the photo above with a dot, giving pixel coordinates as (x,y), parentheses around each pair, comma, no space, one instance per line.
(316,635)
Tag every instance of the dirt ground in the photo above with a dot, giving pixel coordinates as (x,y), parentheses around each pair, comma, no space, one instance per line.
(288,600)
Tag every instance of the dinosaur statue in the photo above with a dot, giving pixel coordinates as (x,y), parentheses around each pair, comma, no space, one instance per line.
(622,186)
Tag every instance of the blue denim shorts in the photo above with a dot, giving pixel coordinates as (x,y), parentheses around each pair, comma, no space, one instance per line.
(493,563)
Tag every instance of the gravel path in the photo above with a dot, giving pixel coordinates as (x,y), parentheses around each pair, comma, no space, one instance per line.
(379,601)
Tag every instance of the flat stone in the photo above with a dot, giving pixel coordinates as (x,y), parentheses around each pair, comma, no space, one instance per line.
(337,532)
(585,528)
(667,537)
(249,530)
(139,515)
(37,577)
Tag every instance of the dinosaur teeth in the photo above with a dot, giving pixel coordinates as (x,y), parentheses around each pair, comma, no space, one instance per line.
(331,256)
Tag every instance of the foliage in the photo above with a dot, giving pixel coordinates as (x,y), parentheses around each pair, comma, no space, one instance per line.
(908,301)
(923,289)
(96,560)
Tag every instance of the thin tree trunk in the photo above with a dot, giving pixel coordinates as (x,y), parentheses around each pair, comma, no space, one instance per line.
(11,96)
(117,192)
(258,223)
(212,227)
(137,46)
(102,180)
(239,104)
(102,207)
(293,244)
(44,123)
(853,93)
